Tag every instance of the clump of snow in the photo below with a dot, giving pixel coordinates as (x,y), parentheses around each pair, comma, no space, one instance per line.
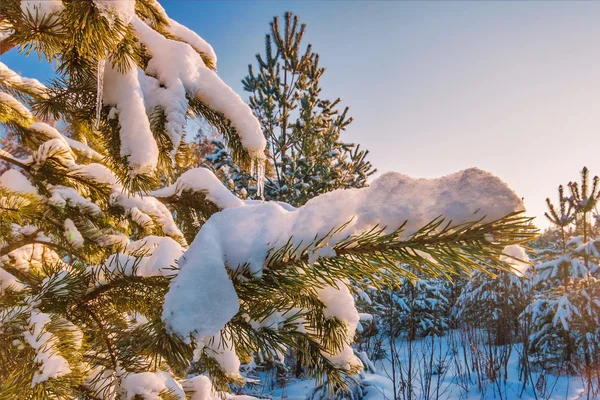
(52,365)
(206,300)
(517,257)
(101,381)
(201,180)
(72,234)
(190,75)
(201,388)
(187,35)
(11,78)
(148,385)
(9,282)
(99,173)
(15,104)
(150,256)
(148,205)
(17,182)
(137,141)
(190,37)
(222,350)
(339,303)
(62,196)
(33,255)
(40,9)
(202,299)
(122,9)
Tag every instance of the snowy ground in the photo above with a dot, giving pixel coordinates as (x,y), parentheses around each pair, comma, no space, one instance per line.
(454,380)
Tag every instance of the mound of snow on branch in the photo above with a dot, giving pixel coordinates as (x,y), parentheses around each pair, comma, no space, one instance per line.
(202,299)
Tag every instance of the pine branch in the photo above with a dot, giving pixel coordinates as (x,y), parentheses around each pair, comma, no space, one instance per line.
(7,44)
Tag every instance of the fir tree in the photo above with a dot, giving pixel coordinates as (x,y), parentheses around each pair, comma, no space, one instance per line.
(305,154)
(494,302)
(108,286)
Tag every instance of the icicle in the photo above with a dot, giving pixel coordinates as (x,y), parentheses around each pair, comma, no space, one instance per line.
(260,179)
(99,89)
(257,170)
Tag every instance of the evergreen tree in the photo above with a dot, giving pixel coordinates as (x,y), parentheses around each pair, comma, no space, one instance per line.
(305,154)
(494,303)
(565,314)
(109,289)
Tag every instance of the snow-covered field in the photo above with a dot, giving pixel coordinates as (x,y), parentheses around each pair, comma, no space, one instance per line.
(445,373)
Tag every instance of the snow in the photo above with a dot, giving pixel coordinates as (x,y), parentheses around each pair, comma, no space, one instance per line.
(15,104)
(190,75)
(205,300)
(150,256)
(39,9)
(123,9)
(201,388)
(62,196)
(72,234)
(149,385)
(65,142)
(173,103)
(52,365)
(201,180)
(190,37)
(187,35)
(17,182)
(222,350)
(148,205)
(99,173)
(11,78)
(339,303)
(137,142)
(9,282)
(517,257)
(202,299)
(30,256)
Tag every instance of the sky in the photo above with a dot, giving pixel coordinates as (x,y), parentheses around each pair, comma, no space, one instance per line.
(434,87)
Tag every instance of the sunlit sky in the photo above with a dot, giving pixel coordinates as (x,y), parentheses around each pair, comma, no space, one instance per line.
(434,87)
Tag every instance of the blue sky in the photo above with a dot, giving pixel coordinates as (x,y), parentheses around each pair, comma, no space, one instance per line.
(435,87)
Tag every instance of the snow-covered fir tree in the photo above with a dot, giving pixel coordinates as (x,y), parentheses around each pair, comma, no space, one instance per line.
(565,313)
(417,307)
(110,289)
(493,300)
(305,154)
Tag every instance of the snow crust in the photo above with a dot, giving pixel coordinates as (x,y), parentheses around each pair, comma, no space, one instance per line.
(201,180)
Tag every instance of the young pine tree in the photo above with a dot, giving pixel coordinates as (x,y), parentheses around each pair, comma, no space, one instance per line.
(494,303)
(109,288)
(564,315)
(305,154)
